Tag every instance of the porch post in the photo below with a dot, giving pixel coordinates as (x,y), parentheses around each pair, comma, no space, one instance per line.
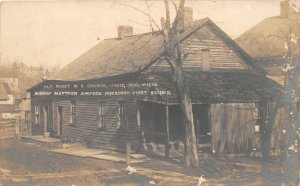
(46,133)
(167,145)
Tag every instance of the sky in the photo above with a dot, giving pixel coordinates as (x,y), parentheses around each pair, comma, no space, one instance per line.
(52,33)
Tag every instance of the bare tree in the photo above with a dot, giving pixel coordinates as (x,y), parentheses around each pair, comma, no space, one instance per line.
(291,69)
(174,58)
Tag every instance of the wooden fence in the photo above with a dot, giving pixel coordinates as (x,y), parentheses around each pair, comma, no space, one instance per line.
(14,128)
(7,128)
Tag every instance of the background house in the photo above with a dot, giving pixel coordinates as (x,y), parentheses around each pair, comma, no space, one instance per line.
(266,43)
(7,107)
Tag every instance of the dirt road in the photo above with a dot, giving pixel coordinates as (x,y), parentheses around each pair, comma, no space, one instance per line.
(24,163)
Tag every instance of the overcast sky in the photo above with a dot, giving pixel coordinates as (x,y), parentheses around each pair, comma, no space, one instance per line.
(56,32)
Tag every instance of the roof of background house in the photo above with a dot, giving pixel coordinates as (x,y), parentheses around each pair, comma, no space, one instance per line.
(266,39)
(132,54)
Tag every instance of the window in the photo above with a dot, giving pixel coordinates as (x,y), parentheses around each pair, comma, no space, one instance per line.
(256,113)
(121,123)
(36,113)
(205,57)
(101,121)
(73,112)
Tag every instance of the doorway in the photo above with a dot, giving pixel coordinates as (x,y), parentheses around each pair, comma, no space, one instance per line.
(202,123)
(45,121)
(59,119)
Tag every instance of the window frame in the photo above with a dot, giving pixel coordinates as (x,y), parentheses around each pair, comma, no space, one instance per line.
(72,112)
(121,116)
(206,67)
(36,114)
(101,115)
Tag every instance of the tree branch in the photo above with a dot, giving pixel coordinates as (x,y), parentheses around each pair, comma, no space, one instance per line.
(139,10)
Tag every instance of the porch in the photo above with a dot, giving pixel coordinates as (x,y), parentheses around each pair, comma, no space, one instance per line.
(220,128)
(161,129)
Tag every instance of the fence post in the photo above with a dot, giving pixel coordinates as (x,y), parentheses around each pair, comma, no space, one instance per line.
(17,125)
(128,153)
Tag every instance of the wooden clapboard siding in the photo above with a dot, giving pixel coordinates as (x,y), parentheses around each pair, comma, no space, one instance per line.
(233,127)
(86,128)
(221,55)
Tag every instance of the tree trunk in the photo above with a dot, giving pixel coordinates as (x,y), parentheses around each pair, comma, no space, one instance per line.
(173,56)
(191,156)
(267,123)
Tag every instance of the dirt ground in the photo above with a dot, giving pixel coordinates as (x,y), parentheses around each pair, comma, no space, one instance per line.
(23,163)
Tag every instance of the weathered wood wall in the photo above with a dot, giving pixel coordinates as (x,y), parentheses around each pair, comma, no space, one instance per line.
(222,57)
(233,127)
(85,128)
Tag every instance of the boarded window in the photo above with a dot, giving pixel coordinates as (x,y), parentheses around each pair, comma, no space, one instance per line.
(121,123)
(205,57)
(37,114)
(73,112)
(101,121)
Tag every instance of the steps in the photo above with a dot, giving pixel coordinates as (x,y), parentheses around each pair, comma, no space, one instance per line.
(44,141)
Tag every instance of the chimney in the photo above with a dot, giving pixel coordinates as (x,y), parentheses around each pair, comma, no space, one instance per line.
(187,19)
(124,31)
(285,8)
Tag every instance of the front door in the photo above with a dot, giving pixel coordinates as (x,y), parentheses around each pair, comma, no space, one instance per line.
(45,121)
(59,119)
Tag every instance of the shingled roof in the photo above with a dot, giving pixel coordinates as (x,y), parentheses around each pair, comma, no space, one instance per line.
(266,39)
(131,54)
(209,87)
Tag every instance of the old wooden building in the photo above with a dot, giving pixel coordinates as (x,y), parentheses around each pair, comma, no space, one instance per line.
(123,87)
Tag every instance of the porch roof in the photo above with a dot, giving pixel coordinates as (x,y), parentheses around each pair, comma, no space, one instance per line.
(219,87)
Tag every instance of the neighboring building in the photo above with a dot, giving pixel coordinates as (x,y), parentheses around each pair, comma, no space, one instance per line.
(7,107)
(265,42)
(12,83)
(8,91)
(124,85)
(6,96)
(24,116)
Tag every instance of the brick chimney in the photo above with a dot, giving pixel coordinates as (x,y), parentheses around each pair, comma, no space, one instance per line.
(187,19)
(124,31)
(285,9)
